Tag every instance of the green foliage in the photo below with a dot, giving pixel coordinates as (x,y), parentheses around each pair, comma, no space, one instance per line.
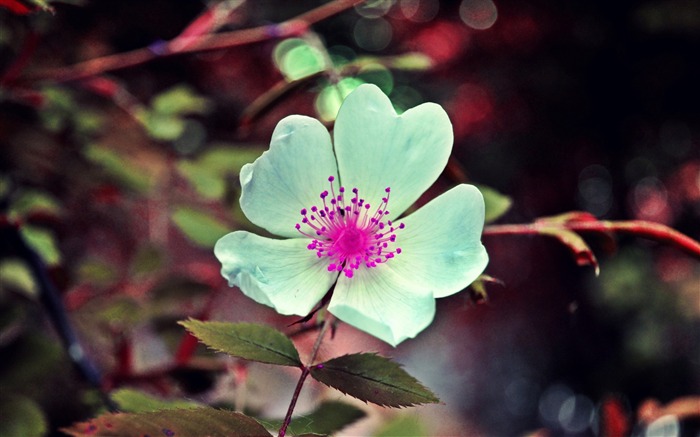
(373,378)
(246,340)
(197,422)
(43,242)
(118,167)
(208,173)
(198,226)
(331,97)
(134,401)
(31,201)
(166,119)
(21,417)
(402,426)
(15,274)
(496,203)
(329,417)
(297,59)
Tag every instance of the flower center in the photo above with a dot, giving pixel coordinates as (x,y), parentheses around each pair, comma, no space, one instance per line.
(349,233)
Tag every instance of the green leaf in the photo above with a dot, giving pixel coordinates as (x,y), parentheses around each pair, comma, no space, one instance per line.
(180,100)
(497,204)
(134,401)
(163,127)
(296,59)
(402,426)
(43,242)
(331,97)
(198,226)
(414,61)
(372,378)
(35,201)
(198,422)
(118,167)
(208,173)
(15,274)
(21,416)
(328,418)
(246,340)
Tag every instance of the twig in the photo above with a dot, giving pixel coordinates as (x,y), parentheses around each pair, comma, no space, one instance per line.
(639,228)
(305,371)
(291,27)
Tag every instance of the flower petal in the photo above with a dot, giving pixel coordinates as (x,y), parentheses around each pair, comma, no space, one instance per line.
(288,177)
(377,149)
(440,245)
(282,274)
(382,303)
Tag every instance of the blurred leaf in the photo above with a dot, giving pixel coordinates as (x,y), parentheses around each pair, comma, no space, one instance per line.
(246,340)
(97,272)
(331,97)
(496,203)
(34,201)
(43,242)
(180,100)
(122,311)
(378,75)
(372,378)
(583,255)
(163,127)
(198,226)
(411,61)
(134,401)
(326,419)
(25,369)
(21,416)
(148,259)
(402,426)
(198,422)
(297,59)
(118,167)
(208,172)
(14,273)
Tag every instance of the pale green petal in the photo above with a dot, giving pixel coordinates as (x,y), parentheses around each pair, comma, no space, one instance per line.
(382,303)
(288,177)
(377,149)
(282,274)
(440,246)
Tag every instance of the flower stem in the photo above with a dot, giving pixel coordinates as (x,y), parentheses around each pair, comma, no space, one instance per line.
(305,371)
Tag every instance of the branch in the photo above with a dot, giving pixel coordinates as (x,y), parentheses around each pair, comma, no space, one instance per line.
(200,43)
(581,222)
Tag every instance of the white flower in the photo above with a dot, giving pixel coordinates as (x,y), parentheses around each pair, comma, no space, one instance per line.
(337,206)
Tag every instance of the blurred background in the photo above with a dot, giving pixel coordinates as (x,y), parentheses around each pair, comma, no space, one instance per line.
(124,177)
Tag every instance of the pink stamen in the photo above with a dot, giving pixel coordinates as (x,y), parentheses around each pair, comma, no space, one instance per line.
(350,234)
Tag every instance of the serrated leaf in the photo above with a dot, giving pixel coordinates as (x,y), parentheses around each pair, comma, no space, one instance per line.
(198,422)
(373,378)
(198,226)
(246,340)
(583,254)
(328,418)
(134,401)
(496,203)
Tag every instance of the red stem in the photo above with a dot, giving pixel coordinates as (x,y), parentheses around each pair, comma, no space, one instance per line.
(294,26)
(639,228)
(305,371)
